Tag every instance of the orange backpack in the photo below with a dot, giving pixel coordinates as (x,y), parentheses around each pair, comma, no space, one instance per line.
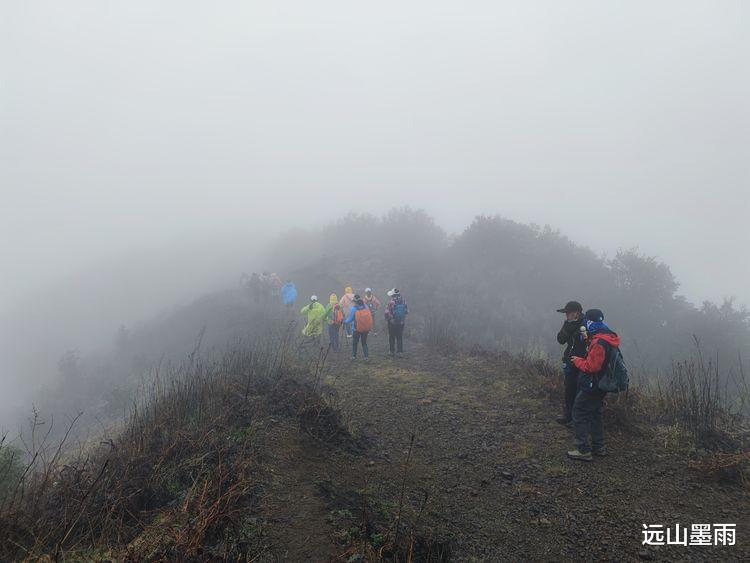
(363,320)
(337,315)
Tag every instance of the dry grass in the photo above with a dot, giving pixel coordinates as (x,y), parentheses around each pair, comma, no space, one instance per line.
(730,466)
(687,412)
(178,478)
(441,331)
(694,397)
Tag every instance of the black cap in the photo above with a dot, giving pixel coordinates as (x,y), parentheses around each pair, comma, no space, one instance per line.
(594,315)
(571,307)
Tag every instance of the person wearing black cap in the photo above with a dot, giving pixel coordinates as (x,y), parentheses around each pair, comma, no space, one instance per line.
(572,338)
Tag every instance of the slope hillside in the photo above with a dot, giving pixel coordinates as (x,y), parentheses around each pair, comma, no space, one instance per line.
(297,457)
(491,461)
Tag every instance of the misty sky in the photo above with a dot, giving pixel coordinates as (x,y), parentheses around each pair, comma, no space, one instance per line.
(137,124)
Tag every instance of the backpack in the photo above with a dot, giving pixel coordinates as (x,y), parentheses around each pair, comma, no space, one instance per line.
(399,313)
(337,315)
(363,320)
(614,376)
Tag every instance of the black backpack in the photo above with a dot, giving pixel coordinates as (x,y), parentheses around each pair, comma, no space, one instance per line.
(614,375)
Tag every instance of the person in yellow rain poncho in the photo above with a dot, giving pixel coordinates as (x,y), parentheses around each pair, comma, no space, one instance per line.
(316,314)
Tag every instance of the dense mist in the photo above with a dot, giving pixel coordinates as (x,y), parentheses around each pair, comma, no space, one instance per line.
(82,312)
(134,124)
(418,281)
(149,151)
(87,346)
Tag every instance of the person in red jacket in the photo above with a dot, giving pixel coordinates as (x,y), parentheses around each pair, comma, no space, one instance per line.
(589,402)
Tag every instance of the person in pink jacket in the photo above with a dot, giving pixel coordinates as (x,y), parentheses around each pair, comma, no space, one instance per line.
(347,302)
(373,303)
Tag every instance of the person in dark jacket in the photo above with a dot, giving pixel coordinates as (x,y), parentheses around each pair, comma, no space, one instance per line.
(587,409)
(573,339)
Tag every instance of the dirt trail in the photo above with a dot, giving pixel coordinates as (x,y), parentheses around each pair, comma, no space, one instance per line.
(295,512)
(493,461)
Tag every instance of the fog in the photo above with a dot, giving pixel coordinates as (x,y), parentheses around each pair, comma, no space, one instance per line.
(165,137)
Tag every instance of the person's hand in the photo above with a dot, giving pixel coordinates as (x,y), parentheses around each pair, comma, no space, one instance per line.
(569,327)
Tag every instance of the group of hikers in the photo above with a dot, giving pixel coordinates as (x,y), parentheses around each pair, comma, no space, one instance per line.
(262,287)
(355,315)
(592,366)
(592,363)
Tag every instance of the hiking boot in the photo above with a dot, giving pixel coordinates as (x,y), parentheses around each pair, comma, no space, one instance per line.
(600,452)
(354,358)
(564,420)
(580,456)
(366,359)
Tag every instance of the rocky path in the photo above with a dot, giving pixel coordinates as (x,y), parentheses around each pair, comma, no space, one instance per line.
(491,460)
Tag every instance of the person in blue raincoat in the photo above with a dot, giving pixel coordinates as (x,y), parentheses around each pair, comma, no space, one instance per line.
(288,294)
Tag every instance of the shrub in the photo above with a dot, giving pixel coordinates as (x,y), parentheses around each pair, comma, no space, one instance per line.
(11,468)
(176,481)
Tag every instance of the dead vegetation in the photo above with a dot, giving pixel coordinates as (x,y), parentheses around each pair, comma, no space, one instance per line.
(182,477)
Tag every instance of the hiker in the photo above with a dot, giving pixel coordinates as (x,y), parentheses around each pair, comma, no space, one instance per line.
(360,318)
(265,285)
(335,318)
(395,315)
(255,287)
(289,294)
(373,303)
(589,402)
(575,345)
(347,302)
(275,282)
(315,314)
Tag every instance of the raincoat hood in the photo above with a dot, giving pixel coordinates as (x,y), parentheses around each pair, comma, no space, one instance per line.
(596,326)
(610,337)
